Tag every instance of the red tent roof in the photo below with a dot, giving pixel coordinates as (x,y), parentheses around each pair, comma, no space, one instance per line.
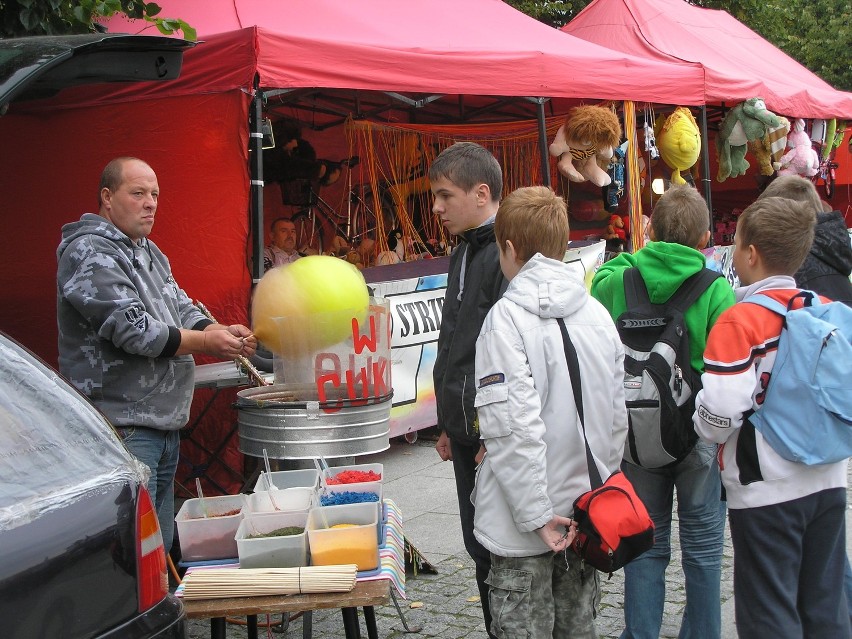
(738,63)
(474,47)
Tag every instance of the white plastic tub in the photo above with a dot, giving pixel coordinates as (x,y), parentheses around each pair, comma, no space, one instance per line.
(288,551)
(302,478)
(285,500)
(212,537)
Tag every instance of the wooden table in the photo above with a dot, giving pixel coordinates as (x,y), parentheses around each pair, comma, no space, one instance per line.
(366,594)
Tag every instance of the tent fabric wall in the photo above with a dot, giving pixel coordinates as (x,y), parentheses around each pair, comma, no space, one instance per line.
(471,47)
(738,63)
(49,174)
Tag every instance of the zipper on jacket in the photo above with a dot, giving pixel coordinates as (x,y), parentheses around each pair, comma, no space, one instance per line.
(464,412)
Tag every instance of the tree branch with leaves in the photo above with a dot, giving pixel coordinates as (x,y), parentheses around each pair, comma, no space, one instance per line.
(20,18)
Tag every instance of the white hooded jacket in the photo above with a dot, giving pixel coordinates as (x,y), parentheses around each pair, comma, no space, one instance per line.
(535,465)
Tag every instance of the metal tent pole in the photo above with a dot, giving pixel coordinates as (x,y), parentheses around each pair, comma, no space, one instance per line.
(256,155)
(705,168)
(542,142)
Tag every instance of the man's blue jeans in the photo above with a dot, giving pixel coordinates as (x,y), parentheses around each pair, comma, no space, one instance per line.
(701,517)
(159,450)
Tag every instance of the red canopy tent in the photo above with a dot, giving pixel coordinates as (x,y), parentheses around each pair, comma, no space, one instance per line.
(195,131)
(469,47)
(374,58)
(738,63)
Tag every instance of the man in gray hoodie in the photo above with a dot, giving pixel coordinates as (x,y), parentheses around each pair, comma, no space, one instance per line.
(127,332)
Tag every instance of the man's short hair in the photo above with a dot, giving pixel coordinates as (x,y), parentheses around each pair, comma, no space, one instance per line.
(794,187)
(782,231)
(535,220)
(467,164)
(680,216)
(278,220)
(113,174)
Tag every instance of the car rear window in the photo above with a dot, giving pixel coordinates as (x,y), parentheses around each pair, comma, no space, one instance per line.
(54,445)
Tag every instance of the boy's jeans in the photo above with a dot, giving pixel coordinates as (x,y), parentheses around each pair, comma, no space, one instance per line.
(701,517)
(159,450)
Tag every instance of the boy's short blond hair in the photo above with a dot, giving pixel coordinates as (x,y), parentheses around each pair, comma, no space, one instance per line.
(535,220)
(794,187)
(782,231)
(680,217)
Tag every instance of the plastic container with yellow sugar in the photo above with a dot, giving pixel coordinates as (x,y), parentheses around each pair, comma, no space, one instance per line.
(345,534)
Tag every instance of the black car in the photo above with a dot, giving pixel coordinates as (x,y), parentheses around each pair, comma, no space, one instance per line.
(41,66)
(80,548)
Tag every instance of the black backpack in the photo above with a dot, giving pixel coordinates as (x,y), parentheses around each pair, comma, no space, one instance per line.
(659,382)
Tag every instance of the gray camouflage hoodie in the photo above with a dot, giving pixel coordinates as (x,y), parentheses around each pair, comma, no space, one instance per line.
(120,312)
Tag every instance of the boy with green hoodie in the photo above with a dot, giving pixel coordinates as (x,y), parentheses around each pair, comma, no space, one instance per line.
(679,229)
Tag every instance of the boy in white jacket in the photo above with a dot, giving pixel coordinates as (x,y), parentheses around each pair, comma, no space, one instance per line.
(787,519)
(535,464)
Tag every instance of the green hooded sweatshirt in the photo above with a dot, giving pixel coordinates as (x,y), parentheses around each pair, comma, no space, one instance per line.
(664,267)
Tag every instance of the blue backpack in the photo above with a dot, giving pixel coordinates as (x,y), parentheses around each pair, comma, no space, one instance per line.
(806,414)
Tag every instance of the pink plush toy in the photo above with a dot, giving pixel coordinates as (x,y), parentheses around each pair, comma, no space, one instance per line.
(801,159)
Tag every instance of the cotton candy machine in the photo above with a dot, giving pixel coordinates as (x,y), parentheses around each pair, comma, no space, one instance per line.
(291,423)
(330,403)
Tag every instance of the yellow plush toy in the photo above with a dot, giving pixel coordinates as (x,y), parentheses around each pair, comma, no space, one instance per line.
(679,141)
(587,136)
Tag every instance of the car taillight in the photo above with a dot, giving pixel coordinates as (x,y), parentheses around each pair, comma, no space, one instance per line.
(150,556)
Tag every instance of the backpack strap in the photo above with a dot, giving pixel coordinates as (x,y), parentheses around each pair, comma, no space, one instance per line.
(635,291)
(809,298)
(577,388)
(693,287)
(767,302)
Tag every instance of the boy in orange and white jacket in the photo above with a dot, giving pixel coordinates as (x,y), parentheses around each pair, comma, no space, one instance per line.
(787,519)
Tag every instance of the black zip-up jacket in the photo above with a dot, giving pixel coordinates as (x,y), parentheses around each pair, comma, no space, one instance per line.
(453,373)
(827,266)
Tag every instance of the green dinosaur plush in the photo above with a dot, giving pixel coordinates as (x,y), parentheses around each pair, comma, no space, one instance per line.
(746,122)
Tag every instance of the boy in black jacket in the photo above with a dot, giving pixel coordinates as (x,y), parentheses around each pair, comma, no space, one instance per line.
(466,182)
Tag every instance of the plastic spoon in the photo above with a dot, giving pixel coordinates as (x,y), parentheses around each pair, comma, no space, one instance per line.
(321,472)
(269,485)
(201,501)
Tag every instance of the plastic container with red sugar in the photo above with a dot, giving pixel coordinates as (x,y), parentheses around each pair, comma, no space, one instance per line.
(347,484)
(354,476)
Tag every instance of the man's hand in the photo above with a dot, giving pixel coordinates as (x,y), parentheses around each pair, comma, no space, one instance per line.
(249,341)
(443,447)
(221,342)
(558,533)
(218,340)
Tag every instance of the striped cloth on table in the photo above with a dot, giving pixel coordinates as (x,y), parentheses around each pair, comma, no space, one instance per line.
(392,552)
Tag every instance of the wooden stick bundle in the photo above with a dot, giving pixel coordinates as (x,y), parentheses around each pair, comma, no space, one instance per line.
(215,583)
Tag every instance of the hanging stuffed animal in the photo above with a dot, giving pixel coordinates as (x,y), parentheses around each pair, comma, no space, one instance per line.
(616,233)
(769,149)
(588,135)
(679,141)
(748,120)
(801,159)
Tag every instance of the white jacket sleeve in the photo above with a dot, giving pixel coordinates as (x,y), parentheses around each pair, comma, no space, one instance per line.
(509,413)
